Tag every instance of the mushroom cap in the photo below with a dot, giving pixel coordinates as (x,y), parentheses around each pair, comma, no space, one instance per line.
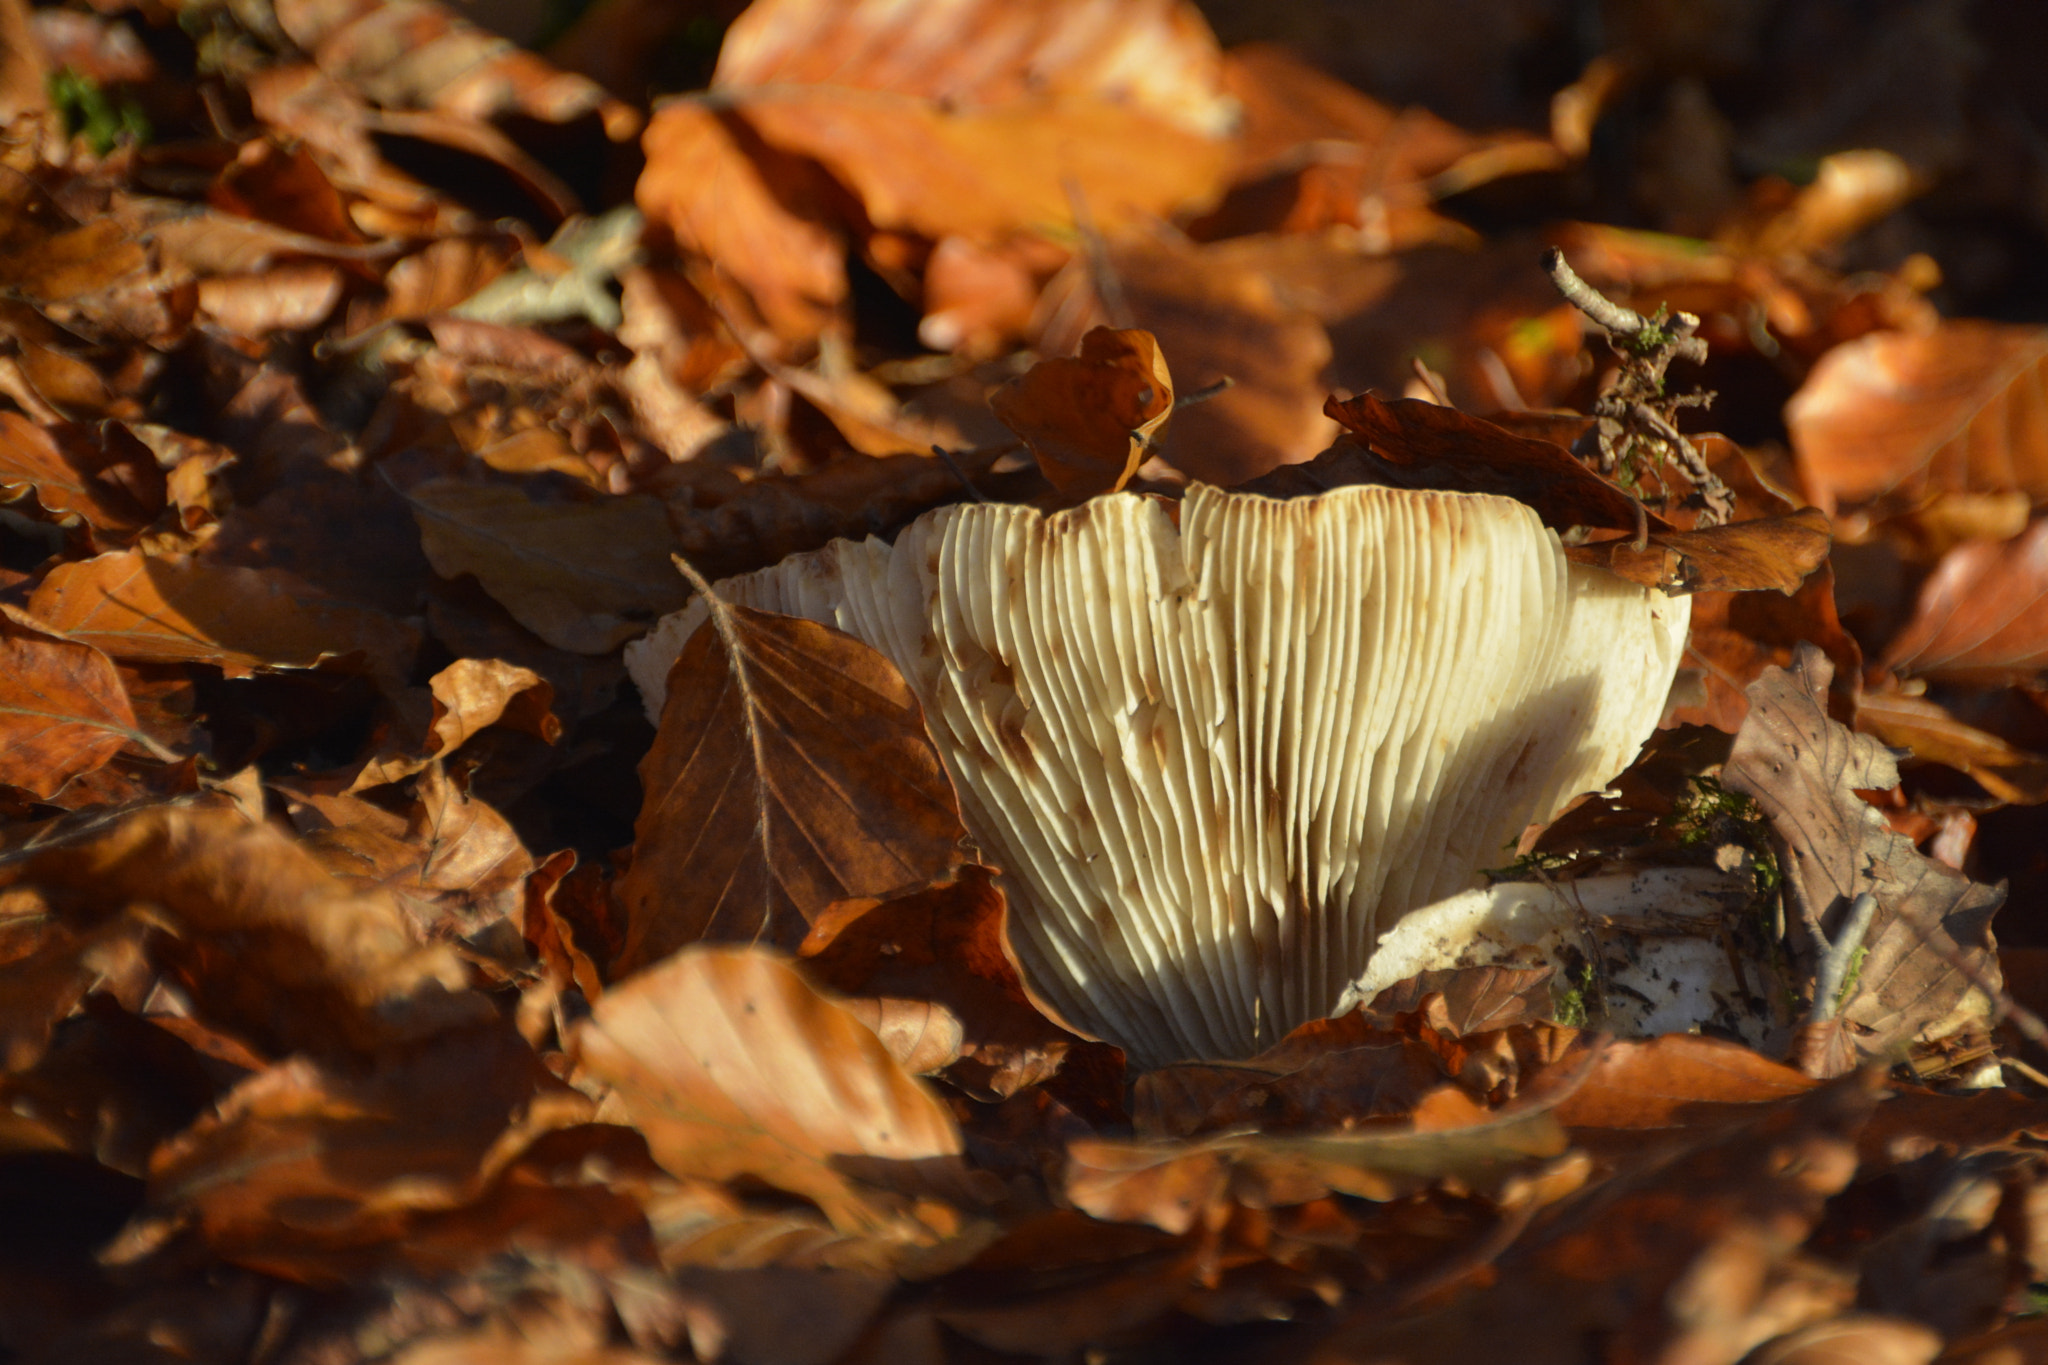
(1215,760)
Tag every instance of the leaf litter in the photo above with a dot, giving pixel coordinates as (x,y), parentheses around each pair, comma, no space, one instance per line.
(381,984)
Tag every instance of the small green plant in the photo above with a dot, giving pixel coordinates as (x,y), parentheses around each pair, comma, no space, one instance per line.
(1708,813)
(88,112)
(1572,1007)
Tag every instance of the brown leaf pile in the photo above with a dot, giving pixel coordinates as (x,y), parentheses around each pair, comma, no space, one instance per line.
(376,984)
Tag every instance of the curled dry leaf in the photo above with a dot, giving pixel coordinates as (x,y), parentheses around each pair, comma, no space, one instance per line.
(1413,444)
(1982,615)
(468,696)
(1217,317)
(1933,735)
(63,709)
(1893,420)
(585,576)
(1681,1080)
(1930,962)
(103,475)
(947,945)
(791,770)
(731,1065)
(1090,418)
(1172,1185)
(1745,556)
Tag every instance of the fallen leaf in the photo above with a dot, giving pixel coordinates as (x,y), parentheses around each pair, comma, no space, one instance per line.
(141,607)
(791,770)
(1743,556)
(947,945)
(1679,1081)
(425,55)
(1690,1253)
(1895,419)
(1413,444)
(1736,636)
(1930,961)
(583,575)
(1982,615)
(758,218)
(104,476)
(1158,57)
(466,697)
(1089,419)
(63,709)
(1932,735)
(731,1065)
(1216,318)
(265,942)
(302,1162)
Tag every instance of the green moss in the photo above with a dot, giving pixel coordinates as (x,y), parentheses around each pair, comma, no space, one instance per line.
(88,112)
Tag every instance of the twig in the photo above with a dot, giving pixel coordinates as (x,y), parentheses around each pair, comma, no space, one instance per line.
(1675,331)
(1204,394)
(946,456)
(1833,969)
(1109,287)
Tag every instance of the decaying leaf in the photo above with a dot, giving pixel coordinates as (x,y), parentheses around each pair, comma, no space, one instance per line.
(1090,418)
(732,1065)
(1928,963)
(791,770)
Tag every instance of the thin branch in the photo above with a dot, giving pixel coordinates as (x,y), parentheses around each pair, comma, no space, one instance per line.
(946,457)
(1833,970)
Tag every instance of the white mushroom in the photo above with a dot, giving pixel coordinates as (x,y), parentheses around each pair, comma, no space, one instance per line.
(1215,760)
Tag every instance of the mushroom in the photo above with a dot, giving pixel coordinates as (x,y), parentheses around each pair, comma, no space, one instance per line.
(1217,754)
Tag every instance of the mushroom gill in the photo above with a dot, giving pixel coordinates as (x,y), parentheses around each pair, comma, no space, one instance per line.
(1215,760)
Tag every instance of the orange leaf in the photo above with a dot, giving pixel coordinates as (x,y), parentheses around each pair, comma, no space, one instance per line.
(141,607)
(1090,418)
(1896,419)
(731,1065)
(63,710)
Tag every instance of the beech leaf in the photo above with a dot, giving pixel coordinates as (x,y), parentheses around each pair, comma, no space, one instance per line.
(791,770)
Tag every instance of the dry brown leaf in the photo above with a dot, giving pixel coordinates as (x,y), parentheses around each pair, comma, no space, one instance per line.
(1314,152)
(1692,1253)
(1413,444)
(1933,735)
(1154,55)
(467,696)
(103,475)
(981,174)
(1089,419)
(1172,1185)
(1736,636)
(422,55)
(1216,318)
(1678,1081)
(759,218)
(265,943)
(731,1065)
(1930,962)
(946,945)
(1894,420)
(63,709)
(141,607)
(583,575)
(1982,615)
(791,770)
(1745,556)
(419,1133)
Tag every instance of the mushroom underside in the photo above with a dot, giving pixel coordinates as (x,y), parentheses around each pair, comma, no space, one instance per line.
(1215,760)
